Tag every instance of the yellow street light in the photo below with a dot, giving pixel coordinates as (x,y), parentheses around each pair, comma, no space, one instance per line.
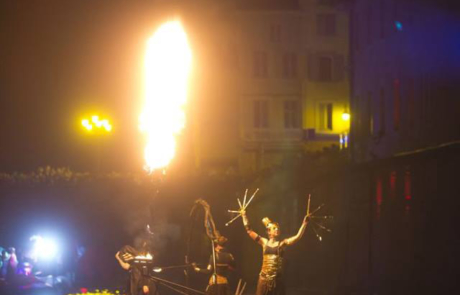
(86,124)
(96,123)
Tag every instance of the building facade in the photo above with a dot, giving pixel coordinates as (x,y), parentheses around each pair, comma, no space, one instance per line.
(283,85)
(405,65)
(405,144)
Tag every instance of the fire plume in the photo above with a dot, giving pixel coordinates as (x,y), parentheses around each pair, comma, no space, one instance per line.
(167,68)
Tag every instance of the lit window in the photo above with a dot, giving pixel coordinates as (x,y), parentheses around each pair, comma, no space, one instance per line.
(325,116)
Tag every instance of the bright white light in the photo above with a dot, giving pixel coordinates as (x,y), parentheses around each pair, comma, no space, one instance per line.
(43,248)
(148,256)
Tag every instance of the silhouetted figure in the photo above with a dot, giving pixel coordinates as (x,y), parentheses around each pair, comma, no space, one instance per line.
(224,263)
(12,265)
(138,283)
(3,270)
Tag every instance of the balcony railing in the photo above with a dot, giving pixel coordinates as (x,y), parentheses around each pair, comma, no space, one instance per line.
(274,135)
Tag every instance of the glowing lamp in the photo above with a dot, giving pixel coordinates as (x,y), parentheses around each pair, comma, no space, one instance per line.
(44,248)
(86,124)
(346,116)
(96,123)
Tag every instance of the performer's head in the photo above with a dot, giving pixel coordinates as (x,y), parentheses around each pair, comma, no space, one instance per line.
(220,241)
(273,228)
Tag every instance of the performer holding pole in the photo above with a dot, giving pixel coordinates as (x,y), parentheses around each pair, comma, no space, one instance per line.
(270,278)
(224,262)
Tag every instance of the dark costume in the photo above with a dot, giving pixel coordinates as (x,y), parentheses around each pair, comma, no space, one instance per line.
(137,279)
(224,263)
(271,276)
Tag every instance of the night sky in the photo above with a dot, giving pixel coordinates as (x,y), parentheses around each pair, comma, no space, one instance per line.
(60,60)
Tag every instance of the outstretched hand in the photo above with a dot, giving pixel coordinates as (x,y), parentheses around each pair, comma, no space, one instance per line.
(195,267)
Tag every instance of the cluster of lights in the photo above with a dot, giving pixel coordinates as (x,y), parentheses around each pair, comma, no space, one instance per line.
(96,122)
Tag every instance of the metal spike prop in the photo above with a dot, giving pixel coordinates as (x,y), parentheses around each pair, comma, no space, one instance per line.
(242,206)
(313,219)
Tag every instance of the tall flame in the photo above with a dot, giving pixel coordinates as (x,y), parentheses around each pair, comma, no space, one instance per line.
(167,67)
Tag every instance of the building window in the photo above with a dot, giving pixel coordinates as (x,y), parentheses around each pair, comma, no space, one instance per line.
(395,13)
(325,116)
(396,104)
(382,112)
(369,24)
(260,114)
(260,64)
(291,114)
(325,68)
(275,33)
(426,102)
(382,19)
(357,31)
(378,195)
(289,65)
(411,104)
(326,24)
(370,117)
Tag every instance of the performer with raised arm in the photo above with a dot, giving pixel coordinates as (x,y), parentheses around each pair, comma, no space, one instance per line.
(218,284)
(270,278)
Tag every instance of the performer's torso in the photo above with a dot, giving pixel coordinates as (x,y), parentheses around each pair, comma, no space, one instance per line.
(224,261)
(272,264)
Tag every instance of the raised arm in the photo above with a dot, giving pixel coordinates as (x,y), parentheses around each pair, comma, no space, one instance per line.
(123,264)
(298,236)
(252,234)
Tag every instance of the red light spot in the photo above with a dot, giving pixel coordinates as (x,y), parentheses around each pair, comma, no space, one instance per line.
(407,186)
(83,290)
